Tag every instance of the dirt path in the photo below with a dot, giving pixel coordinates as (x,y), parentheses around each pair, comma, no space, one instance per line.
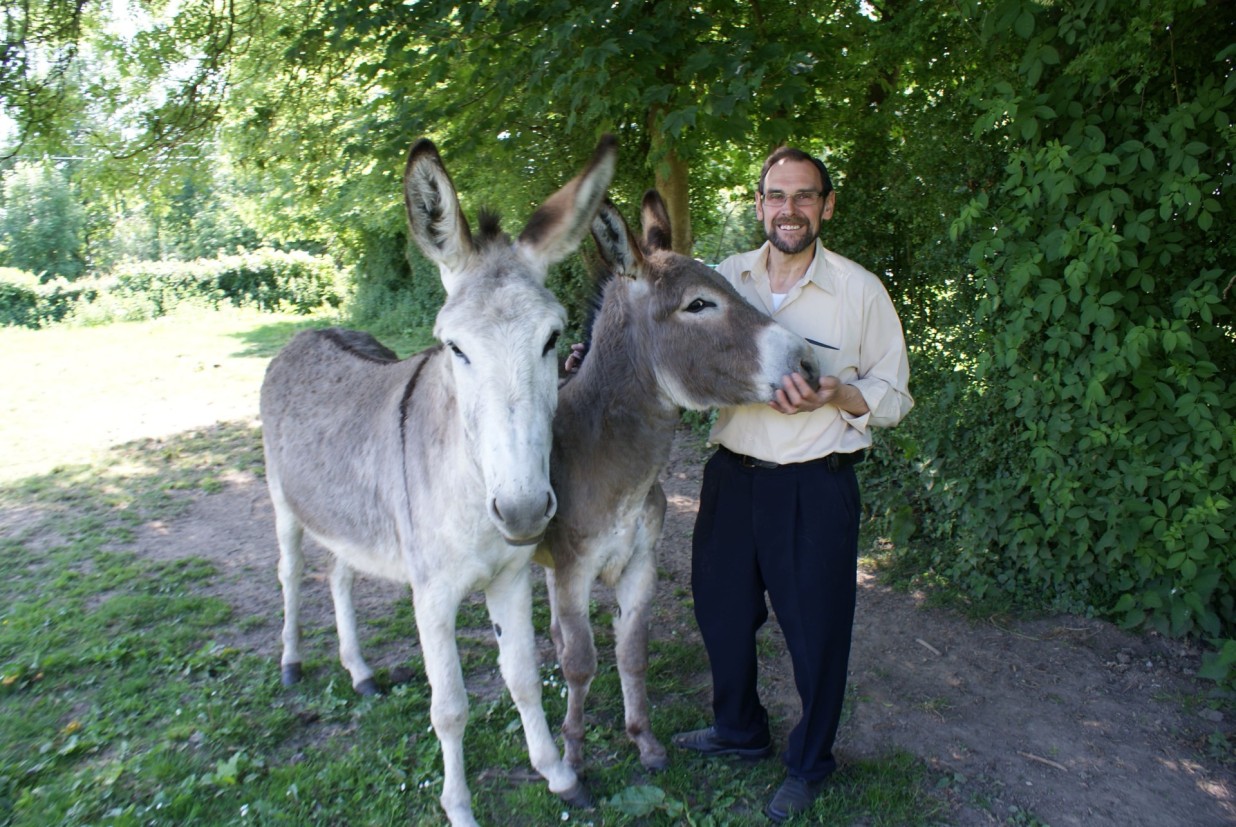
(1059,721)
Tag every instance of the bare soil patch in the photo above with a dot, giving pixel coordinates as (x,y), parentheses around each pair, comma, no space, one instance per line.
(1059,721)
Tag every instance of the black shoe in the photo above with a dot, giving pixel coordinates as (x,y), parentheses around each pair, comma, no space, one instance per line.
(793,797)
(707,742)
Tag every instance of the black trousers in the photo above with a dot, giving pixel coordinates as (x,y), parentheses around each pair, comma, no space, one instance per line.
(790,531)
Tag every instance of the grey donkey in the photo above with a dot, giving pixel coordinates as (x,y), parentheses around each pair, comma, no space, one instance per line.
(434,470)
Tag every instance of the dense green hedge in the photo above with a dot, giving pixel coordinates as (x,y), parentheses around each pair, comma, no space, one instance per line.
(1082,456)
(25,302)
(267,279)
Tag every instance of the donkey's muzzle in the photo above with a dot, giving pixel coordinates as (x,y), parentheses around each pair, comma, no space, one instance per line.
(809,366)
(522,521)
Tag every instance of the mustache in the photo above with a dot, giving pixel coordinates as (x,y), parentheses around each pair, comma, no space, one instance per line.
(788,247)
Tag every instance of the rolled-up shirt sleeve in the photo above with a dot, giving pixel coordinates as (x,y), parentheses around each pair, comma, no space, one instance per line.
(883,365)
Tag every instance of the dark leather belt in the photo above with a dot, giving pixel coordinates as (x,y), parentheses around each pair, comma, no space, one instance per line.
(834,462)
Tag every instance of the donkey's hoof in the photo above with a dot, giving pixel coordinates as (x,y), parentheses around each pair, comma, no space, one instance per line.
(651,754)
(290,674)
(577,797)
(368,687)
(655,762)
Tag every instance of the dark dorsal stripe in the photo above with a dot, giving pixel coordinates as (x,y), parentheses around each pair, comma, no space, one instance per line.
(360,344)
(408,390)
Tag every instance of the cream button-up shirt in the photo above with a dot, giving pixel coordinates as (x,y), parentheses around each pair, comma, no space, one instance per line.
(846,314)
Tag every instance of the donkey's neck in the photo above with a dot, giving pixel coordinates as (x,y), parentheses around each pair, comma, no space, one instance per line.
(633,408)
(616,399)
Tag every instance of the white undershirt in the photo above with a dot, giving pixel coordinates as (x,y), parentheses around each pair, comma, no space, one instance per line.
(777,299)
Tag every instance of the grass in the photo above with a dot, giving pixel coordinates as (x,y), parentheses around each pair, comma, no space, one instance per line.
(123,703)
(71,391)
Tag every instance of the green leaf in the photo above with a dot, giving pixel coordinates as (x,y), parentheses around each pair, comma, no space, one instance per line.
(638,801)
(1218,666)
(1024,25)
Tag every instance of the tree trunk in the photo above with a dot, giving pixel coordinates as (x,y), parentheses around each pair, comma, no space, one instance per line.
(672,178)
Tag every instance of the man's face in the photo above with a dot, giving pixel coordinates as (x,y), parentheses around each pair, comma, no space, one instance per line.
(793,227)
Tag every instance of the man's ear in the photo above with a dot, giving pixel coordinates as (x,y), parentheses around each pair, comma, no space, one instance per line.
(830,204)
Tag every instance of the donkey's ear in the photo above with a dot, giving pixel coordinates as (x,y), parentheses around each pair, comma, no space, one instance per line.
(658,234)
(615,243)
(435,220)
(556,228)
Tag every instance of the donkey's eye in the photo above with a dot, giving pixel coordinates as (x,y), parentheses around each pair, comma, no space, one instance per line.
(552,343)
(699,305)
(455,349)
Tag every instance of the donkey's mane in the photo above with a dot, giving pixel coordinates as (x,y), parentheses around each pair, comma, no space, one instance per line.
(488,228)
(361,344)
(602,275)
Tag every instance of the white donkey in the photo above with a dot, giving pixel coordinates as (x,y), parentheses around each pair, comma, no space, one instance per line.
(670,334)
(434,470)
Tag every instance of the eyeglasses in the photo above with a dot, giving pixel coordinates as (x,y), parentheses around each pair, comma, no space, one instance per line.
(804,198)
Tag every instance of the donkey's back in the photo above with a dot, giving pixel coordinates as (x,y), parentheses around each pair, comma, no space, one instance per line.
(330,409)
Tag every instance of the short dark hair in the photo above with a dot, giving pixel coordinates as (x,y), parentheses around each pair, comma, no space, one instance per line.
(789,153)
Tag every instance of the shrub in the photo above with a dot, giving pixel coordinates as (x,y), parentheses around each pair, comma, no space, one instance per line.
(24,302)
(1083,456)
(19,297)
(267,279)
(397,288)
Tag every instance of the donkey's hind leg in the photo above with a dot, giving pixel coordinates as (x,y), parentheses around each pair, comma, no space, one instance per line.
(342,578)
(290,534)
(634,592)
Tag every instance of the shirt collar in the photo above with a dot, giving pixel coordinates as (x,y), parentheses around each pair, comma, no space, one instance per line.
(819,273)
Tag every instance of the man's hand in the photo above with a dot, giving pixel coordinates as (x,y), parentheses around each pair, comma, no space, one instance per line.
(796,396)
(575,358)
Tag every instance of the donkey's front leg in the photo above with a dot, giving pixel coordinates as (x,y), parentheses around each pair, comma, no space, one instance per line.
(634,592)
(577,652)
(448,705)
(509,598)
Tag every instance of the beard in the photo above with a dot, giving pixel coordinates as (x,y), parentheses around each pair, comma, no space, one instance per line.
(787,247)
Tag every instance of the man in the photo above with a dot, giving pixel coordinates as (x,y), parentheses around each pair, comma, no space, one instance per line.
(779,505)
